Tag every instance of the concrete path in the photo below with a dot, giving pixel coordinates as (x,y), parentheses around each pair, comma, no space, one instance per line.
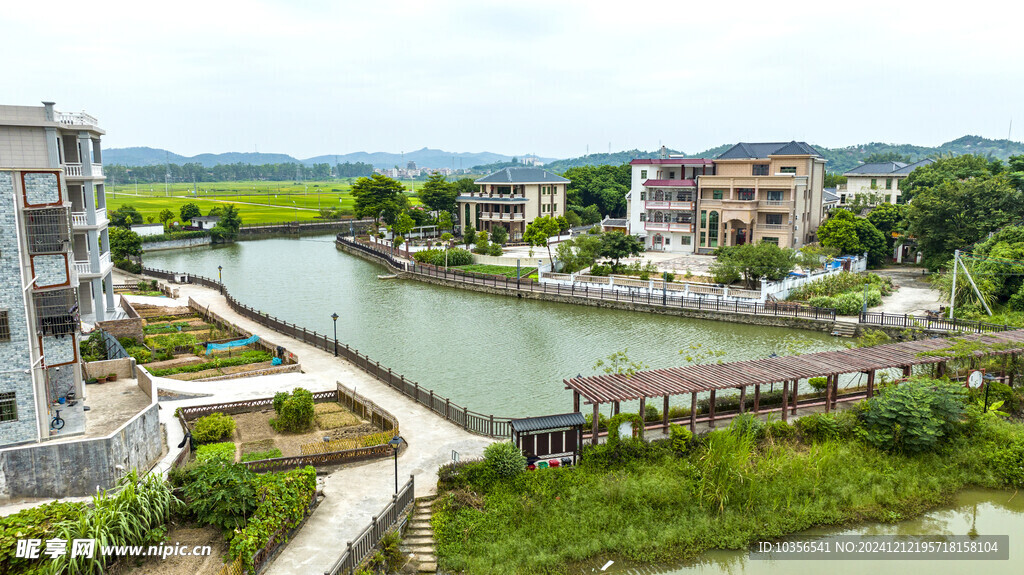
(915,294)
(355,493)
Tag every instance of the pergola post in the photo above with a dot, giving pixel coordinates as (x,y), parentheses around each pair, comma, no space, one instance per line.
(643,413)
(664,415)
(575,401)
(757,398)
(615,408)
(940,369)
(1013,358)
(906,370)
(828,394)
(593,425)
(1003,374)
(693,412)
(871,381)
(796,394)
(785,400)
(711,410)
(835,390)
(743,399)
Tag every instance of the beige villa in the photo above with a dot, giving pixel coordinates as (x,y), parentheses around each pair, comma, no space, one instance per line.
(513,197)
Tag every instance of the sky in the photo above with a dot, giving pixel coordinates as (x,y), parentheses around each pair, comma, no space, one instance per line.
(552,78)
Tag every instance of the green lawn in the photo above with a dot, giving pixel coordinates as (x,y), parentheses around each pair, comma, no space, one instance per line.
(507,271)
(258,202)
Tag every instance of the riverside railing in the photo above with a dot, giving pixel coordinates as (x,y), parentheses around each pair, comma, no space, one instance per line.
(930,323)
(389,518)
(635,295)
(479,423)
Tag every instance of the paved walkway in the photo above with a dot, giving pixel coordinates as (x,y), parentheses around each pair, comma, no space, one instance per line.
(915,294)
(354,493)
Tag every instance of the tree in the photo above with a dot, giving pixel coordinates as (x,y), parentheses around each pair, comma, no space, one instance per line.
(189,211)
(420,216)
(753,262)
(617,245)
(230,218)
(438,194)
(539,231)
(850,234)
(965,167)
(378,195)
(834,180)
(590,215)
(813,256)
(403,225)
(563,225)
(166,216)
(889,219)
(124,244)
(578,253)
(444,220)
(573,218)
(882,157)
(499,234)
(469,236)
(602,186)
(120,216)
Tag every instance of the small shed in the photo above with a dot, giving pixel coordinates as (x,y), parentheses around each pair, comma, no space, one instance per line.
(148,229)
(549,436)
(205,222)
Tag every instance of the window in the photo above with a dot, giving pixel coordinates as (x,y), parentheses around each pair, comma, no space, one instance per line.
(773,219)
(504,189)
(888,183)
(717,194)
(770,241)
(760,169)
(703,219)
(713,230)
(55,312)
(643,174)
(774,195)
(787,170)
(8,406)
(874,184)
(746,194)
(683,197)
(659,217)
(659,195)
(5,326)
(643,217)
(643,196)
(47,230)
(702,241)
(686,240)
(668,240)
(671,176)
(842,199)
(681,218)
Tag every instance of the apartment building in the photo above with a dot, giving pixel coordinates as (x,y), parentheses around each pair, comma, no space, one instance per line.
(761,192)
(52,270)
(877,183)
(662,199)
(513,197)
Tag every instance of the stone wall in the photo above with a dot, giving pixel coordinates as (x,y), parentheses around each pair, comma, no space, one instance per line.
(176,244)
(129,327)
(123,367)
(76,468)
(145,382)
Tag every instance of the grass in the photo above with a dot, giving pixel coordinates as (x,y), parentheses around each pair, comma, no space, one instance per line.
(333,416)
(507,271)
(244,358)
(274,201)
(649,504)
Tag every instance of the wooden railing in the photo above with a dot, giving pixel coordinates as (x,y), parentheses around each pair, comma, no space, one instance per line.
(479,423)
(929,323)
(389,518)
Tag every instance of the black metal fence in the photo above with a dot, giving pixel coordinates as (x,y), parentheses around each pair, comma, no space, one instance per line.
(114,348)
(632,295)
(389,518)
(930,323)
(483,424)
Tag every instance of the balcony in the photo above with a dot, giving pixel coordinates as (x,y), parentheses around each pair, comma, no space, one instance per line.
(73,170)
(492,196)
(512,217)
(81,219)
(668,227)
(775,204)
(83,268)
(75,119)
(97,170)
(105,261)
(772,227)
(667,205)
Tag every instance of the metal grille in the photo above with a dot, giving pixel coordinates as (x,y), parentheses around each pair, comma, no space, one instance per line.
(8,406)
(55,312)
(5,326)
(47,231)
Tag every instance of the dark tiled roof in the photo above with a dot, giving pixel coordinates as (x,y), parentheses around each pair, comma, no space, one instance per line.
(522,176)
(828,195)
(616,223)
(674,161)
(878,168)
(547,422)
(669,183)
(911,167)
(748,150)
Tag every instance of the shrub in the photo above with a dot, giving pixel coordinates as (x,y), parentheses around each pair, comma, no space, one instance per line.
(258,455)
(818,383)
(213,427)
(32,523)
(778,429)
(913,417)
(618,420)
(279,399)
(679,437)
(494,250)
(220,495)
(505,459)
(818,427)
(216,452)
(600,270)
(747,424)
(651,413)
(456,257)
(297,412)
(1008,463)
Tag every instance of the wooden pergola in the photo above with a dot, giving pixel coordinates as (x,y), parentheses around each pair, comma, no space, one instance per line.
(787,370)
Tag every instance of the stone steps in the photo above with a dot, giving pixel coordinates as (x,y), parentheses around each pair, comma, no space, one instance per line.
(419,538)
(844,329)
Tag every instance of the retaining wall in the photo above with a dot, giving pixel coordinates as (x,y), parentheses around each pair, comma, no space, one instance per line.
(124,368)
(176,244)
(77,468)
(128,327)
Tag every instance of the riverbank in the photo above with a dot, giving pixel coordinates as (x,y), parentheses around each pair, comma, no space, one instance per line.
(653,504)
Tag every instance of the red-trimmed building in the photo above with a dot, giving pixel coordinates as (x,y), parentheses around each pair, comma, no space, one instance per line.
(661,203)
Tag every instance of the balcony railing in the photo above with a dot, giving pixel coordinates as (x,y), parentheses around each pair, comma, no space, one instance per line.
(97,170)
(773,203)
(83,268)
(668,227)
(79,220)
(502,216)
(105,260)
(75,119)
(73,170)
(492,195)
(772,227)
(667,205)
(101,215)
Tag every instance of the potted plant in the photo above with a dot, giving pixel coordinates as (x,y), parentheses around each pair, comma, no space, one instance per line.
(91,380)
(101,379)
(111,377)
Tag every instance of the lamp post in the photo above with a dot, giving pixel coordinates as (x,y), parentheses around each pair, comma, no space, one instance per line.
(219,274)
(664,289)
(395,442)
(334,316)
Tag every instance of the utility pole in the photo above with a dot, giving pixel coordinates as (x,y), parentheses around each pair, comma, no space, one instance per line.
(952,293)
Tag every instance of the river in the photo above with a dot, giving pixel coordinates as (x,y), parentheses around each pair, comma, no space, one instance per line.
(494,354)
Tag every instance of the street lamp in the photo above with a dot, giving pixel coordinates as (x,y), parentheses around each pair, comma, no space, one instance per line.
(395,442)
(664,288)
(219,269)
(334,316)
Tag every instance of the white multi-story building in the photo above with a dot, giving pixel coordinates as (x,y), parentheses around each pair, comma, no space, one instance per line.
(661,203)
(877,183)
(52,267)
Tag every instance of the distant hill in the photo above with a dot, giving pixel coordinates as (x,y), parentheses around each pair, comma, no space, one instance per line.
(424,158)
(839,159)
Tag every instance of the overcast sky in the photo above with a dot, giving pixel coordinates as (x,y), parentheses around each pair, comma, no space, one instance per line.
(309,78)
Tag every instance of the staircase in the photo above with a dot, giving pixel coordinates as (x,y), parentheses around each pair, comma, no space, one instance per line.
(418,542)
(844,328)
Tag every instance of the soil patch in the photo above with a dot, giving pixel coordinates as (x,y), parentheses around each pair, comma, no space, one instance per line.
(187,536)
(253,429)
(178,361)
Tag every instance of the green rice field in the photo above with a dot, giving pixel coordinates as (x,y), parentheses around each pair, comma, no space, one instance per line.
(258,202)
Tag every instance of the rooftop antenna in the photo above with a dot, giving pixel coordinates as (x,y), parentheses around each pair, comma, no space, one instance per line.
(1010,130)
